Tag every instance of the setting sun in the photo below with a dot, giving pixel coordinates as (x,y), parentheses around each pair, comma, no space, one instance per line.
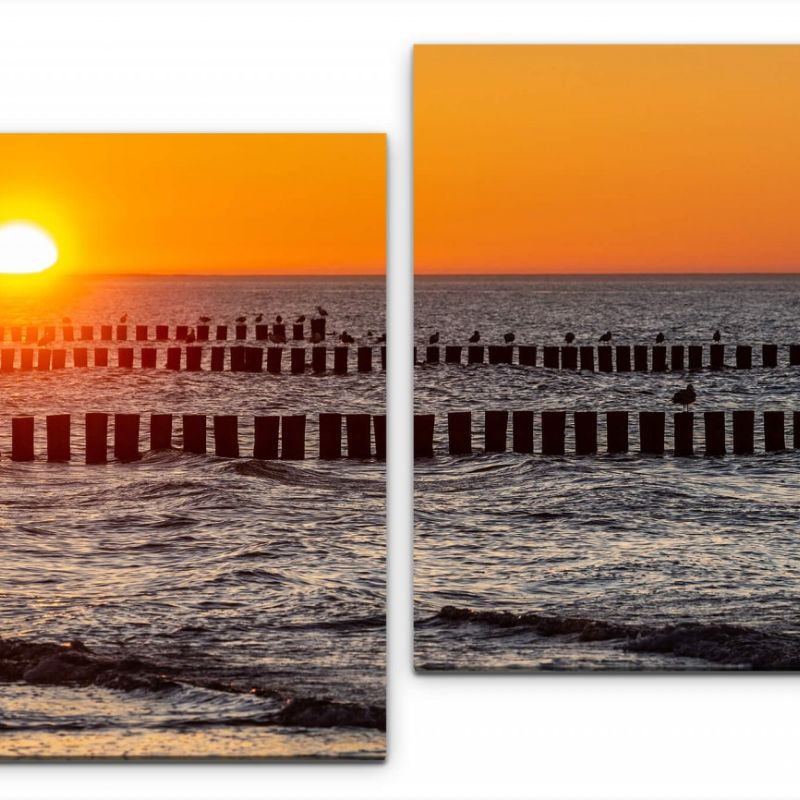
(25,248)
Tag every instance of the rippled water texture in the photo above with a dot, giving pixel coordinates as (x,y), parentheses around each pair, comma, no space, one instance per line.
(216,607)
(607,562)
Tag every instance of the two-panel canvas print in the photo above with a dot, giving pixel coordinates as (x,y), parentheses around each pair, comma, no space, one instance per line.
(192,439)
(606,361)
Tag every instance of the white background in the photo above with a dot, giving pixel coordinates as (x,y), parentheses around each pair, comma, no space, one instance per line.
(346,66)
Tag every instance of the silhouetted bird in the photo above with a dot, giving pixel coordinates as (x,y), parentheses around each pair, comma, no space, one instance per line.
(508,338)
(279,319)
(434,338)
(321,311)
(659,338)
(569,338)
(205,320)
(606,337)
(66,321)
(685,397)
(717,336)
(346,338)
(370,334)
(259,317)
(381,338)
(476,337)
(241,320)
(300,320)
(123,319)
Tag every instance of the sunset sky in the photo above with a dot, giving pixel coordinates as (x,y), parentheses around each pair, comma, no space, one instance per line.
(209,203)
(606,159)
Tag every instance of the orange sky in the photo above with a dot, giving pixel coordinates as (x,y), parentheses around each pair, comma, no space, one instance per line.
(606,158)
(207,203)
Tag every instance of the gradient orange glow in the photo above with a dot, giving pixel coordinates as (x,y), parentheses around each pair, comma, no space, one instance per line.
(201,203)
(595,159)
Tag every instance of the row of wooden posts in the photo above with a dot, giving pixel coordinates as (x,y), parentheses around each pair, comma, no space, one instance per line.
(161,333)
(608,358)
(241,358)
(553,425)
(274,437)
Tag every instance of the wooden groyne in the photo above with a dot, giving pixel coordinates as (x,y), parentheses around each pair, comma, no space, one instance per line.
(276,331)
(197,358)
(615,358)
(721,432)
(121,437)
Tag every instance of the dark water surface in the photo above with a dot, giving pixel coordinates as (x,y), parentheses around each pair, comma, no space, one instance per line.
(226,607)
(607,562)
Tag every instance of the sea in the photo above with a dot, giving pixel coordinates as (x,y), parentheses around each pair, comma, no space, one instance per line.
(607,562)
(184,605)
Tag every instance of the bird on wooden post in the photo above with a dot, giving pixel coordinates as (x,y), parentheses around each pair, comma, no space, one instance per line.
(717,336)
(660,338)
(606,337)
(434,338)
(476,337)
(321,311)
(508,338)
(241,320)
(569,338)
(685,397)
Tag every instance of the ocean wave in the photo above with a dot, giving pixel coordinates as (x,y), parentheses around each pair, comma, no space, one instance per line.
(719,643)
(74,665)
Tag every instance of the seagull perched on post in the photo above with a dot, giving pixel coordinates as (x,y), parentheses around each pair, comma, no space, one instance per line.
(123,319)
(476,337)
(241,320)
(434,338)
(300,320)
(659,338)
(685,397)
(508,338)
(321,311)
(569,338)
(606,337)
(717,336)
(259,317)
(205,320)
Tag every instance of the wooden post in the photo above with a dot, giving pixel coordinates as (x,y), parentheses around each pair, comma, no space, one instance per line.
(122,333)
(58,437)
(715,433)
(141,333)
(769,355)
(43,360)
(49,333)
(522,431)
(569,357)
(262,333)
(126,437)
(659,358)
(79,357)
(475,354)
(318,328)
(550,356)
(604,361)
(59,358)
(432,354)
(297,332)
(319,359)
(217,359)
(452,354)
(226,435)
(364,359)
(554,424)
(237,358)
(87,333)
(794,355)
(101,356)
(587,358)
(676,358)
(96,438)
(194,358)
(617,431)
(162,333)
(651,432)
(340,359)
(459,432)
(265,444)
(222,333)
(717,356)
(274,356)
(161,431)
(585,433)
(7,355)
(105,333)
(695,356)
(358,436)
(330,436)
(279,331)
(744,356)
(148,357)
(174,358)
(202,333)
(16,333)
(423,435)
(383,357)
(526,355)
(774,438)
(194,433)
(640,357)
(623,353)
(744,422)
(298,357)
(379,429)
(68,334)
(253,359)
(22,439)
(684,433)
(796,430)
(240,332)
(293,437)
(26,358)
(495,428)
(181,332)
(31,334)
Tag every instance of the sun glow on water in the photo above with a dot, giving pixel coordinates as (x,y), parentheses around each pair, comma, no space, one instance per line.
(25,248)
